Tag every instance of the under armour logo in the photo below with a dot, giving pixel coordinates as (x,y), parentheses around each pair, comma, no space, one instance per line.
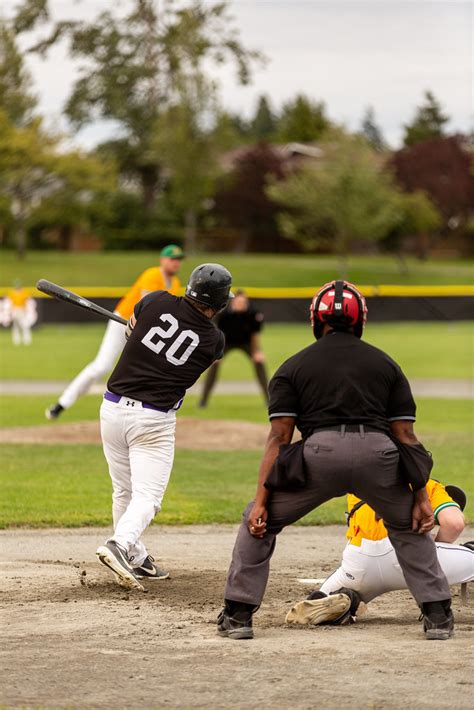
(130,404)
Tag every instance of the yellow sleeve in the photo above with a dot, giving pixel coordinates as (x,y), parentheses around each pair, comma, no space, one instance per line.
(149,280)
(439,498)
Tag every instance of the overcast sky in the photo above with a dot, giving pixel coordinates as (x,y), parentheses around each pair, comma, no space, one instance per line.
(348,53)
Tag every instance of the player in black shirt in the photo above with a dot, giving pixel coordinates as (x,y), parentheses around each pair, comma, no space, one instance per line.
(171,341)
(241,325)
(345,397)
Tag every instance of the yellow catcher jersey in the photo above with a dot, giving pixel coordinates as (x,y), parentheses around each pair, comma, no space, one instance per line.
(364,525)
(150,280)
(18,297)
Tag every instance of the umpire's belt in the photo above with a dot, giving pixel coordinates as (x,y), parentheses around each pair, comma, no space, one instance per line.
(350,428)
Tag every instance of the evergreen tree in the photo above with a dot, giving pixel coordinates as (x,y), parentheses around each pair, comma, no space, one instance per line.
(302,120)
(428,123)
(263,124)
(371,131)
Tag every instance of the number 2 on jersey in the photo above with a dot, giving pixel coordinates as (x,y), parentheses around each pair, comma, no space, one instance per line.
(166,334)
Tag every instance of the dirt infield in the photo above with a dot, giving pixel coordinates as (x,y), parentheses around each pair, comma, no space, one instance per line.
(71,638)
(191,433)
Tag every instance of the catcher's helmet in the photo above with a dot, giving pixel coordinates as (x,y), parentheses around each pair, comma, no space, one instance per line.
(341,305)
(210,284)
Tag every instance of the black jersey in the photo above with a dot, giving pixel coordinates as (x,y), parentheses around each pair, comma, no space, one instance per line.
(170,346)
(239,326)
(341,380)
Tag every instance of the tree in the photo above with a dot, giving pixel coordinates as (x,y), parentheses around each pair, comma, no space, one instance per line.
(16,100)
(243,203)
(345,198)
(371,131)
(133,66)
(34,172)
(263,124)
(189,151)
(419,217)
(442,168)
(428,122)
(302,120)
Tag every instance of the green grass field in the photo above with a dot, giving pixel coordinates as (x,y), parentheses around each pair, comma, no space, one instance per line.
(122,268)
(68,485)
(422,349)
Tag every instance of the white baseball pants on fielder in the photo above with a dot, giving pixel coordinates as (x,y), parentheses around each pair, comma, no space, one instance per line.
(372,569)
(139,447)
(21,330)
(112,345)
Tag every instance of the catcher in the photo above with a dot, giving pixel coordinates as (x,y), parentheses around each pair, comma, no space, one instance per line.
(369,565)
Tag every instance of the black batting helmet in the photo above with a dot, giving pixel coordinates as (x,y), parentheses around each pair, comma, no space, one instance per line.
(210,284)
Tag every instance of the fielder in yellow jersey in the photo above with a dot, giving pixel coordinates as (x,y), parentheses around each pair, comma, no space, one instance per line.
(18,309)
(158,278)
(369,564)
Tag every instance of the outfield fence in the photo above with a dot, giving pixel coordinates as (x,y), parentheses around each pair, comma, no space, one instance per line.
(290,305)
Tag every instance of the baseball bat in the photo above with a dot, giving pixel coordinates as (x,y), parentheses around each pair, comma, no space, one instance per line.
(75,300)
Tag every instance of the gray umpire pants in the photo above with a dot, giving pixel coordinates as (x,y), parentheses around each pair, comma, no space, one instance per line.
(363,463)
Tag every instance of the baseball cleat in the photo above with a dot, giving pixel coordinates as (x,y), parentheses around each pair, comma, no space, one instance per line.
(115,558)
(148,570)
(53,411)
(311,612)
(237,626)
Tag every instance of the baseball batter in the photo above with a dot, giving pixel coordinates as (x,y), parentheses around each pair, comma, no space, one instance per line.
(158,278)
(172,341)
(19,311)
(369,564)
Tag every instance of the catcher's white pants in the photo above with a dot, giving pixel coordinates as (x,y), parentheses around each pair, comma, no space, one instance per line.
(139,447)
(21,331)
(112,345)
(372,569)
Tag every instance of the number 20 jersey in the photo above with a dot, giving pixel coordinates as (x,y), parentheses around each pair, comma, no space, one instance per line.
(170,346)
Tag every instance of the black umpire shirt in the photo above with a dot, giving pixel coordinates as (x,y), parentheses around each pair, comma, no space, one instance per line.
(340,379)
(170,346)
(239,326)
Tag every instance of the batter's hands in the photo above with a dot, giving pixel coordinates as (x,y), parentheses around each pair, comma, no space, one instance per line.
(422,513)
(257,522)
(130,326)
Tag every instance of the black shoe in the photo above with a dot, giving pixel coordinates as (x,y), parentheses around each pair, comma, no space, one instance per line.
(53,411)
(115,558)
(235,624)
(469,545)
(148,570)
(438,620)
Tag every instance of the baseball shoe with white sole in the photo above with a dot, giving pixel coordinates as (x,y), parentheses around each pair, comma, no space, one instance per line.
(321,610)
(53,411)
(115,558)
(149,570)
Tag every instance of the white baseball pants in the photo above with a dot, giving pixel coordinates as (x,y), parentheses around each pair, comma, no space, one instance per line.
(21,330)
(139,447)
(372,569)
(112,345)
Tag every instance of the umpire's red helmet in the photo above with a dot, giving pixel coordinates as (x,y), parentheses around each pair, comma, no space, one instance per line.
(341,305)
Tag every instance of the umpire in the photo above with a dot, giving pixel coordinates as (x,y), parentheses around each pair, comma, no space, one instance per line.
(241,325)
(351,402)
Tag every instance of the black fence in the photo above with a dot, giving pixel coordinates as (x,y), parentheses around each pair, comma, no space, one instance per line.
(296,310)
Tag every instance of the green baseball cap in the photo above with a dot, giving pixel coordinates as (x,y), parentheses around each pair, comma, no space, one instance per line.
(172,251)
